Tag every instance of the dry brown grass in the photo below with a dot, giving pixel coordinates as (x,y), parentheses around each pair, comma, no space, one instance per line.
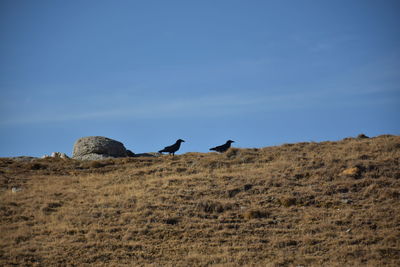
(305,204)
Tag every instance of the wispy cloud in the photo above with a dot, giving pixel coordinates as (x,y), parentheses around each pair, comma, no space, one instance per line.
(209,106)
(137,103)
(151,109)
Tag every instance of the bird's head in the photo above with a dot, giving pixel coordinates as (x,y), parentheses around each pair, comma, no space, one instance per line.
(230,141)
(180,140)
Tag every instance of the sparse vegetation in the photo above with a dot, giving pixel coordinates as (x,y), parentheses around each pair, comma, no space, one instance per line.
(305,204)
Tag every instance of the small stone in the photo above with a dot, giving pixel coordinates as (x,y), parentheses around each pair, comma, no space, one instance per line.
(59,155)
(346,201)
(16,189)
(352,172)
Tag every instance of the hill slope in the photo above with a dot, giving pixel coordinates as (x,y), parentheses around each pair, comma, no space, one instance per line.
(329,203)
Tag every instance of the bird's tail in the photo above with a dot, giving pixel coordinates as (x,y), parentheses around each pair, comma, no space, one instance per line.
(212,148)
(161,151)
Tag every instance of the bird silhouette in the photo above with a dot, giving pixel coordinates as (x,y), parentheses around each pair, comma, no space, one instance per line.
(173,148)
(223,147)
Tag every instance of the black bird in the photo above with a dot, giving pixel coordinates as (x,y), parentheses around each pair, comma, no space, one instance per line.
(224,147)
(173,148)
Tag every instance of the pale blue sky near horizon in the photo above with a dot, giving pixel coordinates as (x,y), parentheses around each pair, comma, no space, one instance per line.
(146,73)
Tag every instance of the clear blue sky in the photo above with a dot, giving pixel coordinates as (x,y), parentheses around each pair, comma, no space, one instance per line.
(146,73)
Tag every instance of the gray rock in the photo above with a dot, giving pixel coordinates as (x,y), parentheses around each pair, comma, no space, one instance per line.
(56,155)
(94,156)
(98,147)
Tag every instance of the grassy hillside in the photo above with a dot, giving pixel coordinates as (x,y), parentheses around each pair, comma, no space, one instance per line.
(307,204)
